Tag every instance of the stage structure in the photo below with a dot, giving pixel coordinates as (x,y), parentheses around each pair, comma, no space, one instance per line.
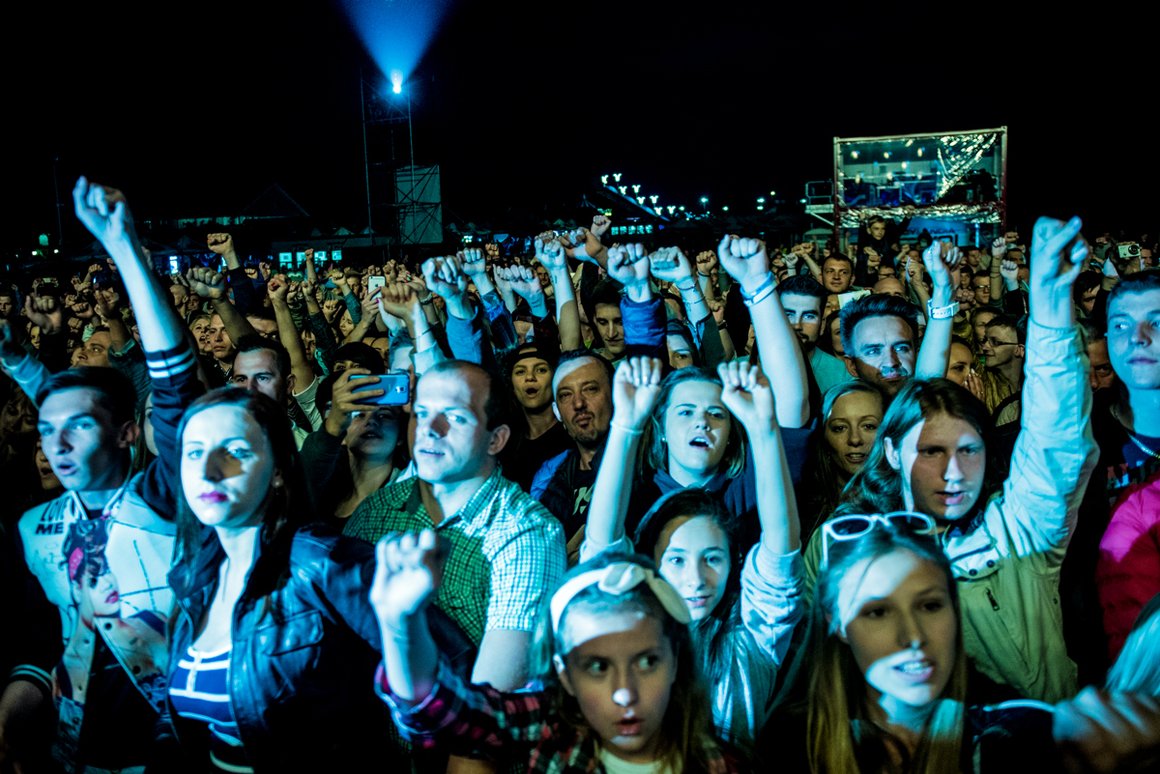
(949,184)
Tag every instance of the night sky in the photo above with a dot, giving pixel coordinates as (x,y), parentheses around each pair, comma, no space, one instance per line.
(195,109)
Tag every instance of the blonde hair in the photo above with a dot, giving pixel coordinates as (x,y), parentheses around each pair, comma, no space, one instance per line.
(840,734)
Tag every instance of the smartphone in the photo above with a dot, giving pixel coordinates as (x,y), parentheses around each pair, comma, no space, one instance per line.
(396,386)
(375,281)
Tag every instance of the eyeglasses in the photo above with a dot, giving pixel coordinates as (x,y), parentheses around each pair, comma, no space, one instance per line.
(856,525)
(994,342)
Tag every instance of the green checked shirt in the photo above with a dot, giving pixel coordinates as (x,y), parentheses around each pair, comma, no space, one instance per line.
(507,551)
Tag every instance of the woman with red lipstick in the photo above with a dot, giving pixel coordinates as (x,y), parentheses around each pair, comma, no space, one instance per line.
(1006,543)
(620,692)
(273,642)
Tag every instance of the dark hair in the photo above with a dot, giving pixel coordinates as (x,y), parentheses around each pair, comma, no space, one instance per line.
(252,342)
(875,305)
(877,487)
(115,391)
(686,727)
(681,329)
(1139,282)
(363,355)
(284,508)
(802,285)
(655,442)
(1006,321)
(608,292)
(711,634)
(496,405)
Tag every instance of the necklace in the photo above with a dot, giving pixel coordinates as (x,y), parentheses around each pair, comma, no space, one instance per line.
(1140,445)
(1115,411)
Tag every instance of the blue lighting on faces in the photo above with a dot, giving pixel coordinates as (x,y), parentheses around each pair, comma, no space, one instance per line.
(396,33)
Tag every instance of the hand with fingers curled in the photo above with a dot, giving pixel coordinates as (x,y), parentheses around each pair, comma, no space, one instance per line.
(628,265)
(408,571)
(746,393)
(745,259)
(206,282)
(551,254)
(669,264)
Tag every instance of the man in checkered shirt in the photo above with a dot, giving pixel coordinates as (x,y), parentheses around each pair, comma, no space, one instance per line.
(507,550)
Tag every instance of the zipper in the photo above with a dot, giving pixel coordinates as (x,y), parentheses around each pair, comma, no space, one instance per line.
(994,602)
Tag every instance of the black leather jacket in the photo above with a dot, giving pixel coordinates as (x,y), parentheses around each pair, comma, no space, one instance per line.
(303,660)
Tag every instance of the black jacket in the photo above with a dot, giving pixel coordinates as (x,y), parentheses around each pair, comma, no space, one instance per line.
(304,656)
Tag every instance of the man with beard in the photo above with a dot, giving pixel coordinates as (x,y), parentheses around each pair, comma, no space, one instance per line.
(582,391)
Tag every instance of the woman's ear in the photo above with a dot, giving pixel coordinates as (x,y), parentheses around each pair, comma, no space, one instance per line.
(562,674)
(893,458)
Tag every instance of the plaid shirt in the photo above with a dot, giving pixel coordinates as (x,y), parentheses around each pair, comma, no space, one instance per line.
(507,551)
(471,719)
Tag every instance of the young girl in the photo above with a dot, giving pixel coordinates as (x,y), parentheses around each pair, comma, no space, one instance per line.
(744,604)
(620,688)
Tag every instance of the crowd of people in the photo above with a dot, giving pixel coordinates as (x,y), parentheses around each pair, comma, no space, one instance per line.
(601,507)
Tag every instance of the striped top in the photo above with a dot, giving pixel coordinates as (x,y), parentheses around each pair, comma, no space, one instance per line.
(199,690)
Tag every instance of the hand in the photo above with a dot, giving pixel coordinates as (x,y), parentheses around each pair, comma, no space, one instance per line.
(106,300)
(998,248)
(343,402)
(264,269)
(473,261)
(206,282)
(628,265)
(1009,271)
(636,387)
(44,312)
(278,288)
(745,259)
(913,272)
(669,264)
(974,384)
(445,276)
(220,243)
(1057,252)
(551,255)
(309,289)
(104,212)
(1103,732)
(585,246)
(370,305)
(600,225)
(747,395)
(522,280)
(705,260)
(937,258)
(399,299)
(408,571)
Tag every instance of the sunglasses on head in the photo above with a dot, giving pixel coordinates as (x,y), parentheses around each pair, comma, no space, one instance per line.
(856,525)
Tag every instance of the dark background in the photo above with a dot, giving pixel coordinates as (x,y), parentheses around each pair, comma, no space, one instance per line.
(195,109)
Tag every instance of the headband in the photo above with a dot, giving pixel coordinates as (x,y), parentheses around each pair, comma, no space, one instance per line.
(617,579)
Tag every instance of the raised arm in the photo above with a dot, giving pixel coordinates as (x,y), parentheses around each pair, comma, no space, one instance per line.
(407,573)
(747,263)
(1054,453)
(941,307)
(635,390)
(551,256)
(211,285)
(300,364)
